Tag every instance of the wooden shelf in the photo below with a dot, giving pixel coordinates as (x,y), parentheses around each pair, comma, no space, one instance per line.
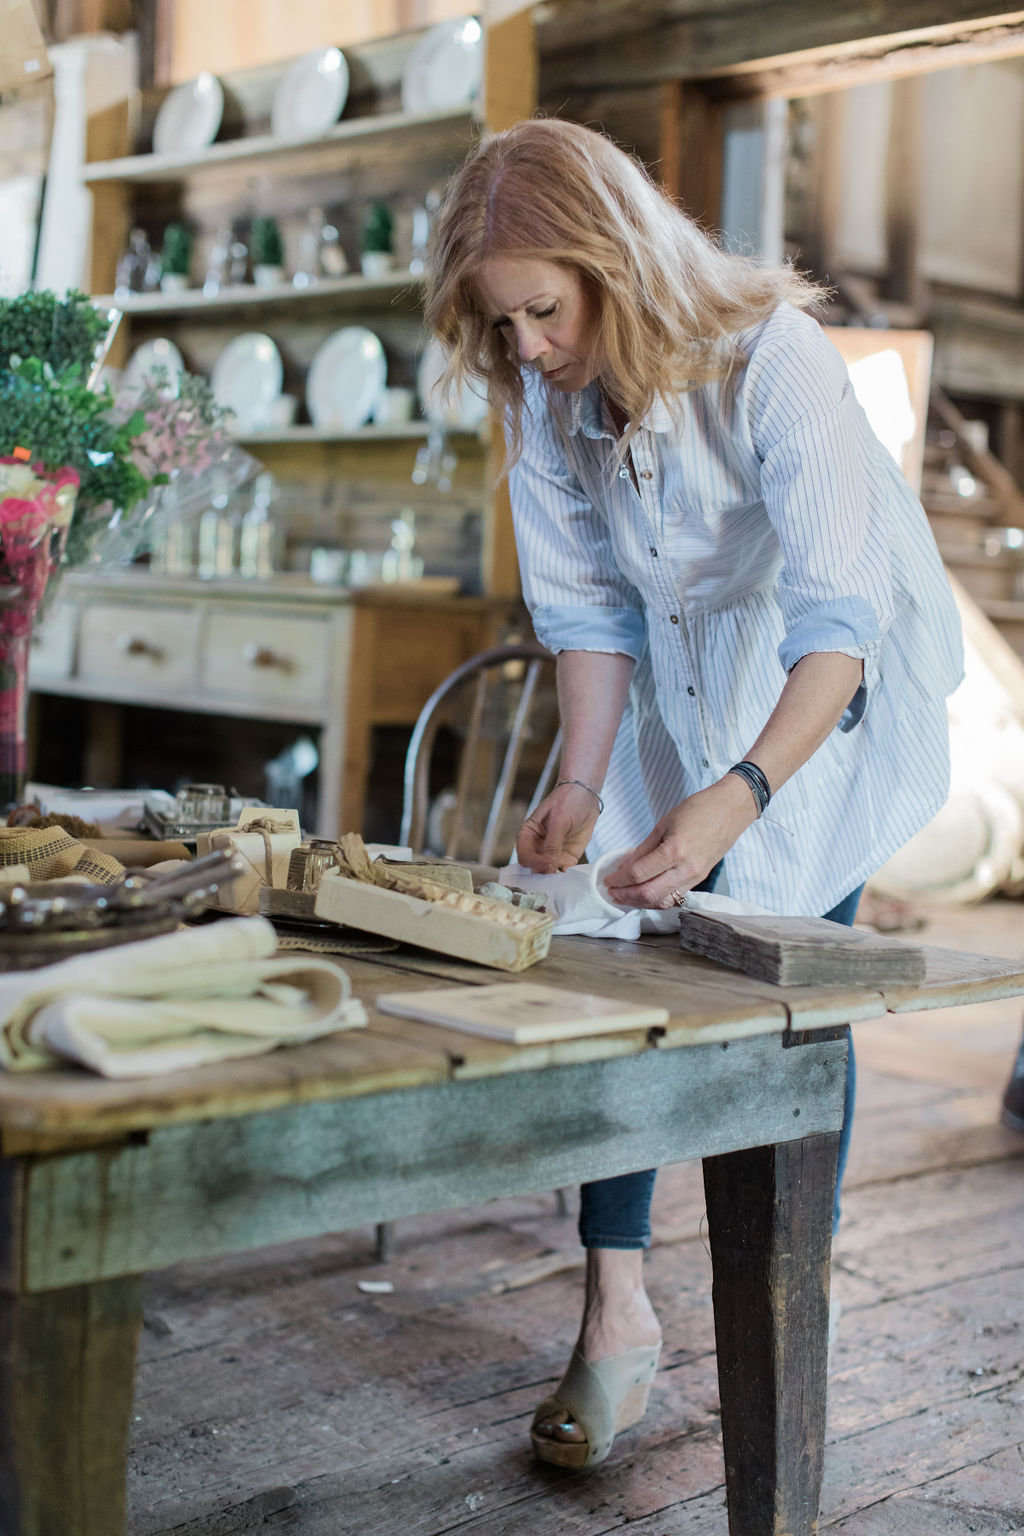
(353,291)
(264,149)
(407,431)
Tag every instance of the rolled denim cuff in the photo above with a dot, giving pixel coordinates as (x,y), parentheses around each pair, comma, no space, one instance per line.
(847,624)
(620,631)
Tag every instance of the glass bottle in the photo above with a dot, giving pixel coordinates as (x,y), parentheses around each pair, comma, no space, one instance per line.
(218,265)
(259,548)
(218,533)
(138,270)
(321,253)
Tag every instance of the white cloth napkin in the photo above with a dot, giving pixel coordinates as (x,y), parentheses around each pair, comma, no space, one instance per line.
(580,901)
(181,1000)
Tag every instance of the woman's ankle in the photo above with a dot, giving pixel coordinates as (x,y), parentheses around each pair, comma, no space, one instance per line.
(618,1314)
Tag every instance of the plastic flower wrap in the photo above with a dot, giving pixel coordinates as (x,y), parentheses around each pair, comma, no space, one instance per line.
(180,443)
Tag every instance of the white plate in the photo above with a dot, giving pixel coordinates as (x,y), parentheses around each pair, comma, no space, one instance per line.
(468,407)
(247,378)
(141,367)
(346,379)
(189,118)
(311,96)
(445,68)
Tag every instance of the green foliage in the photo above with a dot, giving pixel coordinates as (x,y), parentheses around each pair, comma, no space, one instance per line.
(378,228)
(59,332)
(266,244)
(176,255)
(61,423)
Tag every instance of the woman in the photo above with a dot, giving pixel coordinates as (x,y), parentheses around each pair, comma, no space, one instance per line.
(744,596)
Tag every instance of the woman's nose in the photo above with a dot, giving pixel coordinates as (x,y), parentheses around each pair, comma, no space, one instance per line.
(530,341)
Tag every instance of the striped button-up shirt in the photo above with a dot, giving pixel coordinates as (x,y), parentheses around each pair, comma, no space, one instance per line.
(765,521)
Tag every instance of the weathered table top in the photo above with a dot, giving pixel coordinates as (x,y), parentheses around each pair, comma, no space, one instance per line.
(706,1003)
(103,1180)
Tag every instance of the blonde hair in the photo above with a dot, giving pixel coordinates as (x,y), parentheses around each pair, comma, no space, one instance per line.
(667,301)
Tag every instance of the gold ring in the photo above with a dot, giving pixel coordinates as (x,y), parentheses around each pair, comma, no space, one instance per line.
(678,898)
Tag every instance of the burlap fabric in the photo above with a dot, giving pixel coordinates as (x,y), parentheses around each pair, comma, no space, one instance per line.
(49,852)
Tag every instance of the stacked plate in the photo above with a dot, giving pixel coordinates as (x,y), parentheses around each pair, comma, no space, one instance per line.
(346,379)
(189,118)
(247,378)
(468,407)
(444,71)
(156,360)
(311,96)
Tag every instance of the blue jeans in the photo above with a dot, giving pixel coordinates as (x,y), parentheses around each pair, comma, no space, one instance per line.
(615,1213)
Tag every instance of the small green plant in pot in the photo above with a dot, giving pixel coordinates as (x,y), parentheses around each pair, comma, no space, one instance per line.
(378,236)
(267,249)
(176,258)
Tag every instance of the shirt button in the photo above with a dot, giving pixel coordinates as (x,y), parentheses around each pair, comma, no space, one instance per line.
(673,618)
(654,552)
(705,763)
(646,474)
(692,692)
(623,474)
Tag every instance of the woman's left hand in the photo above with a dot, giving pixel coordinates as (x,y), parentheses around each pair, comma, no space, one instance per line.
(685,846)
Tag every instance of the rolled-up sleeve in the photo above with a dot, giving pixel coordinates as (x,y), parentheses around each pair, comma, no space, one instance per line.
(829,492)
(577,597)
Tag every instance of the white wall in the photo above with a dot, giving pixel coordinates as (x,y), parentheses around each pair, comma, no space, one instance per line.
(972,222)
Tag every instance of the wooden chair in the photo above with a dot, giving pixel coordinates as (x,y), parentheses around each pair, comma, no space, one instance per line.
(499,711)
(501,715)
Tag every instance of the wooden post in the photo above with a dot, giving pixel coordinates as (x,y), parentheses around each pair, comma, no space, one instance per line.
(822,252)
(903,195)
(770,1226)
(691,150)
(510,94)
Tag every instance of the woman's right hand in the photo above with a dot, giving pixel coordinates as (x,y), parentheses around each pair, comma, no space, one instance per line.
(556,835)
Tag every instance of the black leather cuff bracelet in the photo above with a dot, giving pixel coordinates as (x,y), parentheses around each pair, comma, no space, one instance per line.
(756,782)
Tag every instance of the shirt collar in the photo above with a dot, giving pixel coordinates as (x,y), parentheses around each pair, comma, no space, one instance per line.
(585,412)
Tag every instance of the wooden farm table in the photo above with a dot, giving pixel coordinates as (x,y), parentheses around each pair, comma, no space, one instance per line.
(101,1181)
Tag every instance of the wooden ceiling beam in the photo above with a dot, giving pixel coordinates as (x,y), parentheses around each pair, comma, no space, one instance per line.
(605,42)
(834,70)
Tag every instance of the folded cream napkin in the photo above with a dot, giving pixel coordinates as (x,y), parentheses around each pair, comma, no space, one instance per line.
(181,1000)
(581,903)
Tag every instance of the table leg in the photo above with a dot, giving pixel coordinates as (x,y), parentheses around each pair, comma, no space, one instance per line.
(67,1371)
(770,1226)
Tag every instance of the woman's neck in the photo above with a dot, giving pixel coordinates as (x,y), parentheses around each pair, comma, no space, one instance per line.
(620,419)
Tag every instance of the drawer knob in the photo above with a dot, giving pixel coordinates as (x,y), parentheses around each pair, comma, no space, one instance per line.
(262,656)
(138,645)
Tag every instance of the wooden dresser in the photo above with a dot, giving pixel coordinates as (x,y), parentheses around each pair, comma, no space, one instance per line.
(335,661)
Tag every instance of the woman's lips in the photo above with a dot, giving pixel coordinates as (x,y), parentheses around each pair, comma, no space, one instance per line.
(554,373)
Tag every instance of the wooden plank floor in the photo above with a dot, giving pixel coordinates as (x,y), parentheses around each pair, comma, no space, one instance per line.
(274,1396)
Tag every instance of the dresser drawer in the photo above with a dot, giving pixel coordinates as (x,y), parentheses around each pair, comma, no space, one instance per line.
(52,652)
(267,657)
(153,646)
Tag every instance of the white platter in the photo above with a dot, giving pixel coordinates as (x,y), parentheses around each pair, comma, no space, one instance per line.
(346,379)
(310,96)
(189,118)
(445,68)
(467,409)
(247,379)
(142,366)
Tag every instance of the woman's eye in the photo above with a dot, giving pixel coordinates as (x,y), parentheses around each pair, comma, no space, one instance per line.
(499,325)
(545,314)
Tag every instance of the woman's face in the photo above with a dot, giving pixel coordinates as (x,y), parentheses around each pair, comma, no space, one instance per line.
(545,314)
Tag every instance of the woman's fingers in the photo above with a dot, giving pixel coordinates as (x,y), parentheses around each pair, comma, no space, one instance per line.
(555,836)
